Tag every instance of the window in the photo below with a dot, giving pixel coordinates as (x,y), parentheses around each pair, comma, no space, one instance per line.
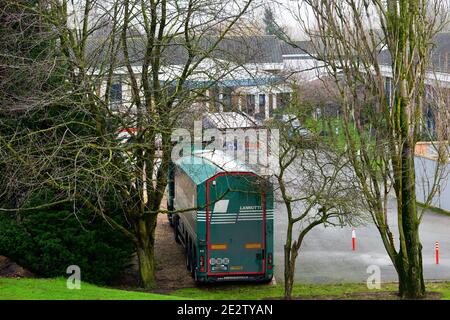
(226,100)
(262,106)
(271,102)
(262,100)
(250,98)
(115,95)
(170,91)
(215,95)
(430,121)
(283,100)
(388,89)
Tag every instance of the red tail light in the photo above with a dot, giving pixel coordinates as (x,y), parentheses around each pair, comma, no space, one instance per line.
(202,264)
(269,258)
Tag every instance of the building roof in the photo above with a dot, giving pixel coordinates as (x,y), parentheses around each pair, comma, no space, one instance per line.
(440,53)
(205,164)
(238,49)
(242,50)
(252,49)
(296,48)
(248,49)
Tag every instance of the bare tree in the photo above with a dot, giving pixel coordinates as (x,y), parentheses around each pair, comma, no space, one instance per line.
(93,149)
(316,185)
(382,118)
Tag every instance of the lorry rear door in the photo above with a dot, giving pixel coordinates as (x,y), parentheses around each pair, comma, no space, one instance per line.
(235,221)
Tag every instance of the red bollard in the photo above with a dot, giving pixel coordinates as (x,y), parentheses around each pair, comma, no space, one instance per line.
(353,239)
(437,252)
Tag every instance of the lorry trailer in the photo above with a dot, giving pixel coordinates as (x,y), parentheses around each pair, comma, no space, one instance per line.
(222,214)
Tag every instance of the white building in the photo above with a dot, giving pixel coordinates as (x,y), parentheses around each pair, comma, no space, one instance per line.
(437,80)
(427,175)
(246,74)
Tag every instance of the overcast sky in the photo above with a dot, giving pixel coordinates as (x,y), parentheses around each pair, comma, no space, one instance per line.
(288,12)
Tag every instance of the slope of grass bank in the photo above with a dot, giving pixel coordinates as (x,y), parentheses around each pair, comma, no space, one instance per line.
(56,289)
(435,209)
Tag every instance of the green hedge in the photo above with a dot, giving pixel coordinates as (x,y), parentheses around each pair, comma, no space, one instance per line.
(46,242)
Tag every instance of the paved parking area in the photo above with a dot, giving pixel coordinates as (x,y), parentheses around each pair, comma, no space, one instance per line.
(327,256)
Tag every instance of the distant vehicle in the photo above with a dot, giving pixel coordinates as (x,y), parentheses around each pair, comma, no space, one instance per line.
(294,126)
(228,231)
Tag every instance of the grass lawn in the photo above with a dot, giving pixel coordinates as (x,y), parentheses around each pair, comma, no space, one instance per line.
(443,288)
(244,292)
(334,128)
(55,289)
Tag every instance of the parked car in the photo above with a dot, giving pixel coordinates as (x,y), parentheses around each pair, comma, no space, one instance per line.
(294,127)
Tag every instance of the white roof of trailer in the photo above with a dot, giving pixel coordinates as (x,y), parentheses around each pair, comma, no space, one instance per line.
(222,160)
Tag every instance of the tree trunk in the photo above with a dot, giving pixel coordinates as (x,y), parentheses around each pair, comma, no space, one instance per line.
(289,268)
(145,251)
(289,272)
(146,267)
(411,282)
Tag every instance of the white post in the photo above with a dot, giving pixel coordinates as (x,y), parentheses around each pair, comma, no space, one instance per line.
(220,100)
(274,98)
(239,101)
(207,94)
(267,106)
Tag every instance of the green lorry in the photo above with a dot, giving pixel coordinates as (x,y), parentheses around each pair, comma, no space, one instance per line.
(222,213)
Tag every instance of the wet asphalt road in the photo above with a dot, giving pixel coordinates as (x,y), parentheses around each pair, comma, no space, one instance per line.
(327,256)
